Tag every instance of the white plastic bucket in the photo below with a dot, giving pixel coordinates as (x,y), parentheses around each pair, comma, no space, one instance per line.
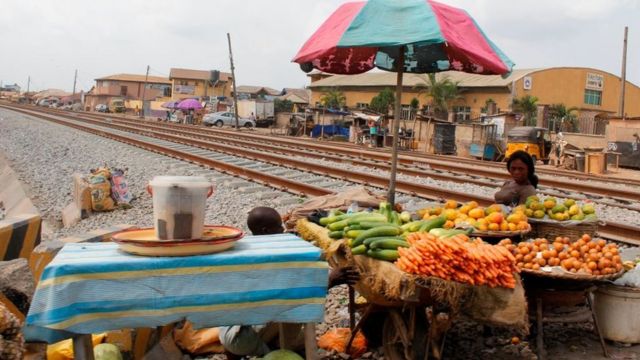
(618,311)
(179,205)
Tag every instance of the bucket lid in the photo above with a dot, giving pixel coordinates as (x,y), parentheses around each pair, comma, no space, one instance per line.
(186,181)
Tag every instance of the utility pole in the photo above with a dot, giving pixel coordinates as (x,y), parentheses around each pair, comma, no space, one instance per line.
(75,77)
(28,83)
(233,79)
(624,73)
(146,78)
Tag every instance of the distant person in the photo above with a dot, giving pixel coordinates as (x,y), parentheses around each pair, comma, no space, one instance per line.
(524,180)
(252,117)
(168,118)
(373,133)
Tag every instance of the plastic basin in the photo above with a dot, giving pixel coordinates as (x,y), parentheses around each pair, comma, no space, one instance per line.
(618,311)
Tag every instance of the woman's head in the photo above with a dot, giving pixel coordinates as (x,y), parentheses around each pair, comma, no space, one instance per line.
(522,168)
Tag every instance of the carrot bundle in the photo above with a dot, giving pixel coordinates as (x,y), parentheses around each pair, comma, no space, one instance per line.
(458,258)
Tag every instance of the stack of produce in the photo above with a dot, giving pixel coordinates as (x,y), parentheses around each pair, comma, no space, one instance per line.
(491,218)
(585,255)
(458,258)
(552,209)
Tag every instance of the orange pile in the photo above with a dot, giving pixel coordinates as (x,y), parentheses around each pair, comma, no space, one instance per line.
(586,255)
(458,259)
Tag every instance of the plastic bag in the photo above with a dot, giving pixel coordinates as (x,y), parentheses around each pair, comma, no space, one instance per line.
(100,193)
(336,340)
(63,350)
(196,342)
(630,278)
(119,188)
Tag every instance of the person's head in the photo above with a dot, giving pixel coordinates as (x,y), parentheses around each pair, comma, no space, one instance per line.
(522,168)
(264,221)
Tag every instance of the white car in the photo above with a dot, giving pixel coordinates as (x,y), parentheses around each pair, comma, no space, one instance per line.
(102,108)
(222,118)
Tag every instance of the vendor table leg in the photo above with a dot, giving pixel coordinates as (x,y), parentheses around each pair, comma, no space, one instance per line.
(82,347)
(595,324)
(310,346)
(540,335)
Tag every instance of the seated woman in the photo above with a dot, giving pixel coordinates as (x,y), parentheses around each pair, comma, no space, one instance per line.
(524,180)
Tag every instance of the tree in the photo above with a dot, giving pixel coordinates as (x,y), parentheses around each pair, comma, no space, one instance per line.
(527,106)
(441,92)
(333,99)
(383,101)
(565,117)
(415,103)
(282,105)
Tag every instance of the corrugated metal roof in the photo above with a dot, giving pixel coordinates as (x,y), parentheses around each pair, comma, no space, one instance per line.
(136,78)
(250,89)
(294,98)
(176,73)
(410,80)
(304,94)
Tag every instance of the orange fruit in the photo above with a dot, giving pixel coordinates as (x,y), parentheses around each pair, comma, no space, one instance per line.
(520,265)
(575,253)
(563,255)
(558,246)
(541,261)
(592,265)
(494,226)
(527,258)
(535,267)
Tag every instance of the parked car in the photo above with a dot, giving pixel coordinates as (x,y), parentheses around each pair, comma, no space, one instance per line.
(222,118)
(102,108)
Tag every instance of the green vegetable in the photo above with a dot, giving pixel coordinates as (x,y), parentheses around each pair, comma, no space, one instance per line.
(359,250)
(433,223)
(383,254)
(367,218)
(391,244)
(449,232)
(336,234)
(338,225)
(387,230)
(405,216)
(353,233)
(372,224)
(368,241)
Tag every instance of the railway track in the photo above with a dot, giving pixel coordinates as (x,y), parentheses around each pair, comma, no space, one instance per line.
(599,193)
(186,148)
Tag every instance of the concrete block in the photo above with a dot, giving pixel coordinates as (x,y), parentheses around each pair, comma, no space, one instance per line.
(82,195)
(16,283)
(42,255)
(19,234)
(70,215)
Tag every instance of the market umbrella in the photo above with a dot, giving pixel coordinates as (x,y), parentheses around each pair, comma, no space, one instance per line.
(189,104)
(423,35)
(170,104)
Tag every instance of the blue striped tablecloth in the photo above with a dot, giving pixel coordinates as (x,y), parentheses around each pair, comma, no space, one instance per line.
(94,287)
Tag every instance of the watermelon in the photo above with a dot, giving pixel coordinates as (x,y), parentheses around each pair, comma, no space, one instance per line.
(281,355)
(106,352)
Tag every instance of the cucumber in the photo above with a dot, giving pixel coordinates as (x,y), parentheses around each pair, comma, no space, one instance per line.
(383,254)
(382,208)
(368,241)
(359,250)
(372,224)
(387,230)
(449,232)
(367,218)
(338,225)
(412,226)
(391,244)
(352,234)
(336,234)
(395,218)
(352,227)
(433,223)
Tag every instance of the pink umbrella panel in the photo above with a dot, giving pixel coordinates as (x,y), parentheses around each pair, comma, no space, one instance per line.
(189,104)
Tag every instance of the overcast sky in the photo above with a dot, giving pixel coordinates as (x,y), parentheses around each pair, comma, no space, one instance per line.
(49,39)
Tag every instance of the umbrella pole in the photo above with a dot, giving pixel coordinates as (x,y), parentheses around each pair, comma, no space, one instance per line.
(391,196)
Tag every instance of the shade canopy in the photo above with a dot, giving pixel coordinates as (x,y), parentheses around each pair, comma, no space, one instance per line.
(361,35)
(189,104)
(170,104)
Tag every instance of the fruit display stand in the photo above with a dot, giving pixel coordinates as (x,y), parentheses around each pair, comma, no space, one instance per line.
(410,302)
(549,229)
(560,278)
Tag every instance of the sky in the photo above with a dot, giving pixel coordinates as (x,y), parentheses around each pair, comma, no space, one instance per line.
(49,40)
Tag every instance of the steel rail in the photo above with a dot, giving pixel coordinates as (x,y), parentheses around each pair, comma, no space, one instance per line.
(615,231)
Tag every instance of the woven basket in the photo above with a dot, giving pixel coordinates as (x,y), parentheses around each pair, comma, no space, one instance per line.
(550,230)
(565,275)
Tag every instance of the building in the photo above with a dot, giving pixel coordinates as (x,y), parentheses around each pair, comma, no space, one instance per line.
(594,93)
(201,84)
(130,88)
(299,98)
(256,92)
(10,88)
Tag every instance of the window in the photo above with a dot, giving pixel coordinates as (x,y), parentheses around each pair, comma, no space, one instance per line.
(184,82)
(593,97)
(123,90)
(362,105)
(463,113)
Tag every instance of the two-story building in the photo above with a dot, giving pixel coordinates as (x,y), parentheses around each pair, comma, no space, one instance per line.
(199,84)
(594,93)
(128,87)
